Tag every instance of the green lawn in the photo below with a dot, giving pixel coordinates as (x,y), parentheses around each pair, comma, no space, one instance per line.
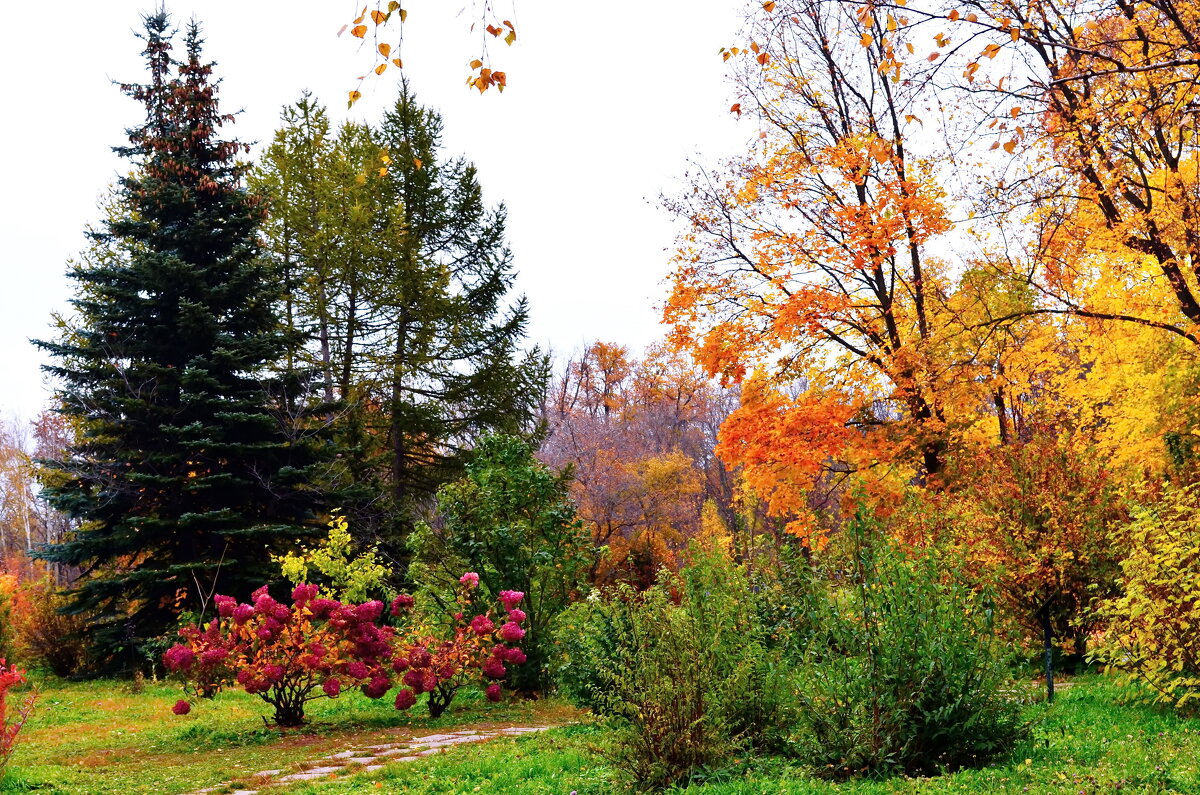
(98,738)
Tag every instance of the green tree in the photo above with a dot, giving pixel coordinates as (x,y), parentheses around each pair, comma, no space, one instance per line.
(510,520)
(404,274)
(183,478)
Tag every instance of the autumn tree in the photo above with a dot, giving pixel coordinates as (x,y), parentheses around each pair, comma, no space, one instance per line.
(807,270)
(181,476)
(639,435)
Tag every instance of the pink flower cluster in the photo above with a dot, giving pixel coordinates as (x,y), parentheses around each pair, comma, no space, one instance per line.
(315,647)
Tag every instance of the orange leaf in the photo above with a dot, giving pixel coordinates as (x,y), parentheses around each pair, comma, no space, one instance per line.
(933,56)
(359,31)
(769,6)
(867,40)
(378,17)
(417,163)
(992,50)
(736,108)
(399,64)
(1016,34)
(385,49)
(403,14)
(996,145)
(476,63)
(381,68)
(953,15)
(1009,146)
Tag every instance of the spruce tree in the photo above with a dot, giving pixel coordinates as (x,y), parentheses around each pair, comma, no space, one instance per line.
(183,478)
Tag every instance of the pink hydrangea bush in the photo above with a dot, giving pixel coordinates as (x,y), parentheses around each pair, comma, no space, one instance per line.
(286,655)
(440,660)
(317,647)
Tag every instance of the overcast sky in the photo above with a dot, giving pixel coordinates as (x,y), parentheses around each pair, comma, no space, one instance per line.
(606,105)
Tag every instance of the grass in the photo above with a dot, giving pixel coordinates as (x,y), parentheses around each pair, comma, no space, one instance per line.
(97,738)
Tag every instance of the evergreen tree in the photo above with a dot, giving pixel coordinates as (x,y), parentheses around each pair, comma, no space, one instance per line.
(183,479)
(404,274)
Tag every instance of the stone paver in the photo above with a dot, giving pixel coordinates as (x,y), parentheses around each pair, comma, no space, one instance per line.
(374,757)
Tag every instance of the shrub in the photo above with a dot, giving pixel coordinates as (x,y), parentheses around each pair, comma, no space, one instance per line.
(683,669)
(331,564)
(1153,634)
(10,726)
(900,672)
(511,520)
(289,656)
(44,634)
(439,660)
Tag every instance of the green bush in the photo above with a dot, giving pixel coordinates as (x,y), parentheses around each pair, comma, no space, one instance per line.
(901,672)
(682,668)
(1153,632)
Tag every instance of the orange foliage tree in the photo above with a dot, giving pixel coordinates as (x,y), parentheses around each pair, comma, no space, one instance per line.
(807,270)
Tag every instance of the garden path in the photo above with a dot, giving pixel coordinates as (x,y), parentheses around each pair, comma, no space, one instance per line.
(367,759)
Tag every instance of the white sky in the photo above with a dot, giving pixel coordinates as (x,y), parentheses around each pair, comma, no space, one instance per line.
(606,105)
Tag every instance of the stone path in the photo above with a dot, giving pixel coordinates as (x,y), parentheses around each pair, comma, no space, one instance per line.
(368,759)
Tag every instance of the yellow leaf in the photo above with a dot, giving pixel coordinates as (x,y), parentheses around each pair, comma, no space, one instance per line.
(383,171)
(381,68)
(891,23)
(392,5)
(867,40)
(385,49)
(911,50)
(358,31)
(399,64)
(510,38)
(1016,34)
(403,14)
(355,96)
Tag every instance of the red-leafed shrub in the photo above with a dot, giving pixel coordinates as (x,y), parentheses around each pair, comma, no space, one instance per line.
(10,726)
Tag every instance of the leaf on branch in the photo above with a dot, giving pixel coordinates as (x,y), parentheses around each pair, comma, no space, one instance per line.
(769,6)
(476,63)
(867,40)
(381,68)
(358,31)
(355,96)
(378,17)
(385,49)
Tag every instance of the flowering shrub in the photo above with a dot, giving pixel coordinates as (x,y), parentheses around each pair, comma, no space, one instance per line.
(287,656)
(9,728)
(439,663)
(317,647)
